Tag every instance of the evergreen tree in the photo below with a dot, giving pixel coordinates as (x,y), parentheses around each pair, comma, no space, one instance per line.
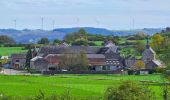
(28,59)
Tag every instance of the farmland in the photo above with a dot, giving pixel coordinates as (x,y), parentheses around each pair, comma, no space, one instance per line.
(7,51)
(79,85)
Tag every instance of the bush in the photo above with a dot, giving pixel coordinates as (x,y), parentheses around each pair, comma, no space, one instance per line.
(160,70)
(128,90)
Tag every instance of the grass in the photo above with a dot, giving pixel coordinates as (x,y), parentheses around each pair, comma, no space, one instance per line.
(78,85)
(98,43)
(7,51)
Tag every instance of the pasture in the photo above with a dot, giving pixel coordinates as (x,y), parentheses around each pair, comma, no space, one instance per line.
(7,51)
(78,85)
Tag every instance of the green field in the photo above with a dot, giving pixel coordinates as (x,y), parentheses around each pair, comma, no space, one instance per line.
(7,51)
(98,43)
(78,85)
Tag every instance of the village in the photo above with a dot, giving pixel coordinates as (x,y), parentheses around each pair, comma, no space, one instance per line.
(84,50)
(100,59)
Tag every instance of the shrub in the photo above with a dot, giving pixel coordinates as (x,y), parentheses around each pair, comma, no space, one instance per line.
(128,90)
(160,70)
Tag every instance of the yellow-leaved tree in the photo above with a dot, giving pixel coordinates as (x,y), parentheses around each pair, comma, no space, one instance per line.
(157,42)
(139,65)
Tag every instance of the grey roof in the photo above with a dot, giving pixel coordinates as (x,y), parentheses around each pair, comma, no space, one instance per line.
(40,61)
(88,55)
(18,55)
(68,50)
(35,58)
(157,62)
(113,55)
(95,56)
(149,51)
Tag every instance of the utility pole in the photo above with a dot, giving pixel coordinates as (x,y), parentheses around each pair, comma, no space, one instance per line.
(77,21)
(53,24)
(97,22)
(42,23)
(15,24)
(133,23)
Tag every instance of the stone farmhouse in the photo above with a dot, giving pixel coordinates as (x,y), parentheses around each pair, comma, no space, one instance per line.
(18,61)
(100,58)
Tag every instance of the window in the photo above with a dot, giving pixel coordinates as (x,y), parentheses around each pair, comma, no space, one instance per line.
(17,60)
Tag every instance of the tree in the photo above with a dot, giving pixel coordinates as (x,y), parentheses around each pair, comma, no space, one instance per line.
(82,31)
(74,62)
(0,66)
(80,42)
(140,36)
(157,42)
(128,90)
(82,61)
(57,41)
(4,39)
(139,65)
(81,34)
(44,41)
(140,47)
(28,59)
(114,39)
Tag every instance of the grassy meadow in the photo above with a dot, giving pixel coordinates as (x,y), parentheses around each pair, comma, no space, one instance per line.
(78,85)
(7,51)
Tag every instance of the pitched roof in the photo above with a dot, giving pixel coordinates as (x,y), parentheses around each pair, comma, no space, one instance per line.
(112,55)
(40,61)
(157,62)
(95,56)
(88,55)
(67,50)
(35,58)
(18,55)
(149,51)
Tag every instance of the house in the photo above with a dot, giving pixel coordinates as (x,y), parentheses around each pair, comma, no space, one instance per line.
(149,57)
(39,64)
(100,58)
(130,61)
(18,61)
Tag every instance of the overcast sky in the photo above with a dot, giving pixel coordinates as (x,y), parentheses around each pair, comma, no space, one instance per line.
(111,14)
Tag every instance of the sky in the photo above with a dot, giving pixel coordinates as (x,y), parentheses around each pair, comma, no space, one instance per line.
(110,14)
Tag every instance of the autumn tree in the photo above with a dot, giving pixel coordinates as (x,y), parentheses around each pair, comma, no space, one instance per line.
(139,65)
(157,42)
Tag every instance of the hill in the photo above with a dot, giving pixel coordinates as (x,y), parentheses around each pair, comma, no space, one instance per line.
(27,35)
